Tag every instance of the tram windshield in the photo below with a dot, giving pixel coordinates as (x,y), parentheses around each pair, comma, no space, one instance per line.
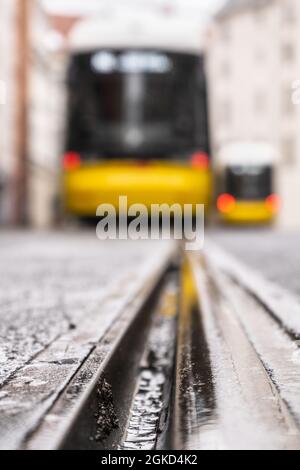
(136,102)
(249,182)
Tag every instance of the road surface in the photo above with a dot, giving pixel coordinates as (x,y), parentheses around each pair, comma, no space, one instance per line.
(276,255)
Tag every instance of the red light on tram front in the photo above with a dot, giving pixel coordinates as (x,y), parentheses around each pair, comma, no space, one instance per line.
(200,160)
(273,203)
(71,161)
(226,203)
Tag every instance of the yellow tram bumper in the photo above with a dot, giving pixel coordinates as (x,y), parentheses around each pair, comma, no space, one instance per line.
(248,212)
(90,185)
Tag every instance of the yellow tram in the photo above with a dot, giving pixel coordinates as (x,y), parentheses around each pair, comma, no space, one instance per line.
(247,183)
(137,120)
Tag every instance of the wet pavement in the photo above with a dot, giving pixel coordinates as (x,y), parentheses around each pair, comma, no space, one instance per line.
(51,282)
(276,255)
(59,294)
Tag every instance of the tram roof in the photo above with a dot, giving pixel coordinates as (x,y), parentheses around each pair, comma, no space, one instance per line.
(248,153)
(151,32)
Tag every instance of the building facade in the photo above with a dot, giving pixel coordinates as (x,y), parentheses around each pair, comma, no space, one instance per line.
(253,62)
(46,107)
(45,100)
(7,106)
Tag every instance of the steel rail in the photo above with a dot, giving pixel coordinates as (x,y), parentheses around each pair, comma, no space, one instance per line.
(92,411)
(252,398)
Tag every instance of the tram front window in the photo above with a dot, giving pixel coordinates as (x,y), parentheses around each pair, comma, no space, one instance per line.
(131,102)
(249,183)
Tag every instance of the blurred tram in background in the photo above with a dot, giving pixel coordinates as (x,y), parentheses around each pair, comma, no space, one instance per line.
(137,115)
(247,180)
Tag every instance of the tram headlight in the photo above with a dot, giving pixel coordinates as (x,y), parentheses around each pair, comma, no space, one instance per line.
(273,203)
(226,203)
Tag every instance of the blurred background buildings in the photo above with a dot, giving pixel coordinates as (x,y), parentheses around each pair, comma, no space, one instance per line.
(7,106)
(44,102)
(253,59)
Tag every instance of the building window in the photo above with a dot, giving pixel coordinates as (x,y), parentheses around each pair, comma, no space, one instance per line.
(225,112)
(288,106)
(225,69)
(289,15)
(288,151)
(260,55)
(260,16)
(288,52)
(260,102)
(225,33)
